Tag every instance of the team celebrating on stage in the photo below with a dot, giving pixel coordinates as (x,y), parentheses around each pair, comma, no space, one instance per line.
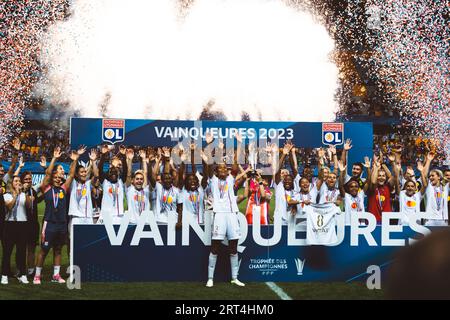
(170,186)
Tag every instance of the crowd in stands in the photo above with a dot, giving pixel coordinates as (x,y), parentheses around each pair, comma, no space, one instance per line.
(38,143)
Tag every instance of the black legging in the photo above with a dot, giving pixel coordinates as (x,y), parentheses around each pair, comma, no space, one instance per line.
(14,234)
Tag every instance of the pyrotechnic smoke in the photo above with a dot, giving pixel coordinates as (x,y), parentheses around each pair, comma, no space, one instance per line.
(143,58)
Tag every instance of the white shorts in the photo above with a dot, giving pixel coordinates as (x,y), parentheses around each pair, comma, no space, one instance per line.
(226,224)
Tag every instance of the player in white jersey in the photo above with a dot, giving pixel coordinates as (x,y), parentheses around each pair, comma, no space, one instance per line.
(286,198)
(351,192)
(225,208)
(138,191)
(192,196)
(436,195)
(80,207)
(329,193)
(167,194)
(112,184)
(307,195)
(409,199)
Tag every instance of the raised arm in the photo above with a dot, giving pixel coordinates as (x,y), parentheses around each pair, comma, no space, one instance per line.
(129,160)
(392,179)
(366,165)
(122,156)
(104,150)
(374,176)
(397,181)
(243,173)
(74,156)
(207,163)
(156,168)
(43,162)
(333,157)
(173,169)
(344,155)
(93,162)
(182,170)
(144,159)
(426,169)
(342,171)
(430,158)
(21,165)
(293,160)
(321,167)
(423,177)
(166,159)
(286,150)
(391,157)
(56,154)
(16,148)
(192,150)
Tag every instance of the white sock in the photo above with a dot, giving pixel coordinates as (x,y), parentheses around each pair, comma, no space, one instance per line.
(38,271)
(212,265)
(56,270)
(234,266)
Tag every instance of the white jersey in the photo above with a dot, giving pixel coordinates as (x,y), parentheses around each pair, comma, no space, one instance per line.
(194,203)
(409,205)
(310,196)
(327,195)
(18,212)
(224,199)
(138,201)
(112,201)
(353,205)
(436,202)
(282,196)
(80,199)
(166,202)
(321,224)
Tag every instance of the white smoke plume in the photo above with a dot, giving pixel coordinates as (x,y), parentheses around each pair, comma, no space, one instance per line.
(143,59)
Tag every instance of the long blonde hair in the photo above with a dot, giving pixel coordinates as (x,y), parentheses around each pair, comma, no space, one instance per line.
(440,174)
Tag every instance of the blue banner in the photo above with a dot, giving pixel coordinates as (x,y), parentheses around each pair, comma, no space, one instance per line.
(100,261)
(95,131)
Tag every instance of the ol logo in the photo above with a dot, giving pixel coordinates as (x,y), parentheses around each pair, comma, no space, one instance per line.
(333,133)
(113,130)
